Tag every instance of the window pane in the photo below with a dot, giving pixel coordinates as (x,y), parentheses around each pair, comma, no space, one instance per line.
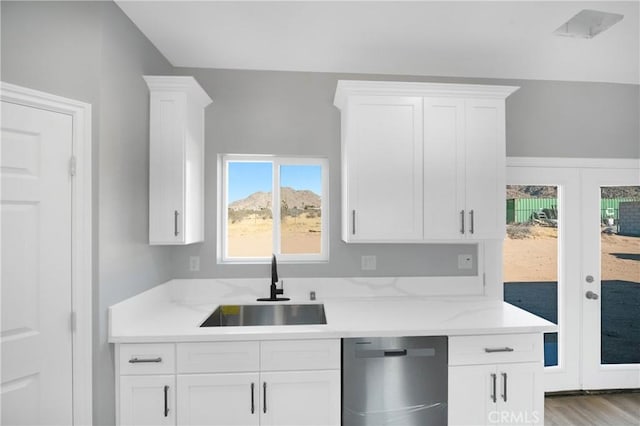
(300,209)
(620,266)
(531,256)
(249,214)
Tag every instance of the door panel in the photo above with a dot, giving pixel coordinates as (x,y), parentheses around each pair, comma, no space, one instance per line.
(540,271)
(385,134)
(219,399)
(36,266)
(610,287)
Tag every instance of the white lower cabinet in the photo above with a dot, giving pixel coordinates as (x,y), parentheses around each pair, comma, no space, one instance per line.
(147,400)
(300,398)
(219,399)
(296,398)
(277,383)
(506,392)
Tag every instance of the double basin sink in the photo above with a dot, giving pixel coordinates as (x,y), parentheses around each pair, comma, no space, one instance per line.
(253,315)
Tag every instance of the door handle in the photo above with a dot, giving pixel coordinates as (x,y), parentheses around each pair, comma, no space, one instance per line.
(264,397)
(396,352)
(166,401)
(493,387)
(353,222)
(504,387)
(591,295)
(253,405)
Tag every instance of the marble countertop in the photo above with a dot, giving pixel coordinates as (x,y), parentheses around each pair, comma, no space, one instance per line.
(172,312)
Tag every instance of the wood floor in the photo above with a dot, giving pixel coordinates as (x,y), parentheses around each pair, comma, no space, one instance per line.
(615,409)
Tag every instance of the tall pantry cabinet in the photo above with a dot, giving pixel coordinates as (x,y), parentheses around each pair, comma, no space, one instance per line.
(422,161)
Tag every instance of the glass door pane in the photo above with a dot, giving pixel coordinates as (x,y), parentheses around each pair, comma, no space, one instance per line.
(530,268)
(620,274)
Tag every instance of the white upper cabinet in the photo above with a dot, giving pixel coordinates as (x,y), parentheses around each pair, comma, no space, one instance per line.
(422,161)
(383,151)
(176,168)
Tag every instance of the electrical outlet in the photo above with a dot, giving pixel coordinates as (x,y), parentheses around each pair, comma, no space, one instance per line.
(194,263)
(465,261)
(368,263)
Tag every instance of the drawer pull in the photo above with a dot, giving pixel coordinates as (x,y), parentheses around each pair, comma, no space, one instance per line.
(142,360)
(492,350)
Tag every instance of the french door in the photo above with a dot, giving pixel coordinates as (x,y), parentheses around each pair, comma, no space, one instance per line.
(610,280)
(587,280)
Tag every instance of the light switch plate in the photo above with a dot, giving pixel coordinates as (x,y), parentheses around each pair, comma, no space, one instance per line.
(465,261)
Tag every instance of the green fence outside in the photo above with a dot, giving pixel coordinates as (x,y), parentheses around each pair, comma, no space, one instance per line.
(520,210)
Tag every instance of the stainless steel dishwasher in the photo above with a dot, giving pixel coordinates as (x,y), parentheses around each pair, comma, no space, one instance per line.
(394,381)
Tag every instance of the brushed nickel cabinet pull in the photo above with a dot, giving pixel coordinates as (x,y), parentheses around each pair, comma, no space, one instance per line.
(175,223)
(462,222)
(492,350)
(142,360)
(472,226)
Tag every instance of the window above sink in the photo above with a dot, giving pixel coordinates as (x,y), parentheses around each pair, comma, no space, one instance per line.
(255,189)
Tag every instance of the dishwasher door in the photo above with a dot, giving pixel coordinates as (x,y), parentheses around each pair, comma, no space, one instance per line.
(394,381)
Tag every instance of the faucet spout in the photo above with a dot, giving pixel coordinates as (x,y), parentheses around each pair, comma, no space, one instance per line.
(274,291)
(274,270)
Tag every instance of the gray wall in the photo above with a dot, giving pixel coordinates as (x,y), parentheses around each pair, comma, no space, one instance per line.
(255,112)
(91,52)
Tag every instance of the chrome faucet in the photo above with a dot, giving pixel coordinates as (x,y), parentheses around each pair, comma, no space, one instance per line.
(274,290)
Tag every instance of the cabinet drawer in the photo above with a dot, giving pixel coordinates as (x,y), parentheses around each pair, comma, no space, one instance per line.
(147,358)
(300,355)
(218,357)
(490,349)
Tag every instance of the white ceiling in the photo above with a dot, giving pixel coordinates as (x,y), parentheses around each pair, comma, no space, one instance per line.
(505,39)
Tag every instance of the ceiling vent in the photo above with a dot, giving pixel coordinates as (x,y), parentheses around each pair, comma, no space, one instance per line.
(588,24)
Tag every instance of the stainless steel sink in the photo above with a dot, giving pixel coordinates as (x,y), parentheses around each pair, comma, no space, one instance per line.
(248,315)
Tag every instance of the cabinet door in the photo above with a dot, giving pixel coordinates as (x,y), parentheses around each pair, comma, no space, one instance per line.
(520,394)
(443,168)
(147,400)
(166,167)
(300,398)
(218,399)
(383,169)
(472,394)
(485,160)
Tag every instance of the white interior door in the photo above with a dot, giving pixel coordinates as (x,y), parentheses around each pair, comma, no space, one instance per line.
(610,278)
(36,208)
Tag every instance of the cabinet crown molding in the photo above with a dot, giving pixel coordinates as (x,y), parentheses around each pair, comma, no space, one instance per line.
(348,88)
(185,84)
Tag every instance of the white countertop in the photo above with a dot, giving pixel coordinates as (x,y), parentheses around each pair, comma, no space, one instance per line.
(172,312)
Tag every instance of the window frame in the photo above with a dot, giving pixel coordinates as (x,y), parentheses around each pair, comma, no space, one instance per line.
(276,161)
